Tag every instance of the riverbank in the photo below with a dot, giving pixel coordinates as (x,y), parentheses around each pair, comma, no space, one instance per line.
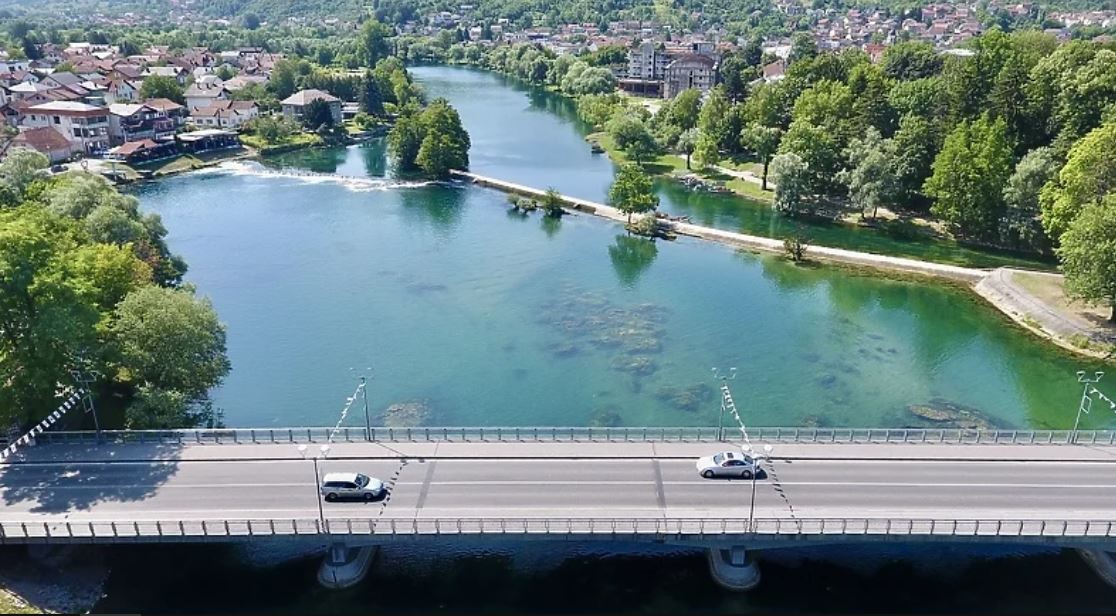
(1037,302)
(741,240)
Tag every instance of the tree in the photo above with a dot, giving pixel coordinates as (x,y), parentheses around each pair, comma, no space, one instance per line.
(284,78)
(714,119)
(913,151)
(685,109)
(1087,177)
(803,47)
(631,135)
(317,114)
(371,99)
(1022,226)
(911,60)
(968,177)
(869,177)
(251,21)
(162,86)
(1088,255)
(792,178)
(764,141)
(404,140)
(47,312)
(631,191)
(686,143)
(19,169)
(373,44)
(172,348)
(552,203)
(435,156)
(706,152)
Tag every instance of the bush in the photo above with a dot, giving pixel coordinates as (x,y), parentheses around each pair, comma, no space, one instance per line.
(795,247)
(647,226)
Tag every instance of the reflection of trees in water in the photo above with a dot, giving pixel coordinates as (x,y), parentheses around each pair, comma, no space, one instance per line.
(790,276)
(550,225)
(441,206)
(374,154)
(631,256)
(318,160)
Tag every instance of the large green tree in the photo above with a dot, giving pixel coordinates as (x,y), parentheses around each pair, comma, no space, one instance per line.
(968,177)
(1088,255)
(631,191)
(764,141)
(172,348)
(374,42)
(1088,176)
(162,86)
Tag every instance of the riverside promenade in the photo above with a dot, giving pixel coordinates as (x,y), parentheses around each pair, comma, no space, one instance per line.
(741,240)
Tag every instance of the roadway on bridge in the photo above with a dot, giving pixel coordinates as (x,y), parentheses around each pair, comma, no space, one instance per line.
(552,487)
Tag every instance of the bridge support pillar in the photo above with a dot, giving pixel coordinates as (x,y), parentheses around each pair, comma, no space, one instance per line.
(345,566)
(1103,563)
(732,568)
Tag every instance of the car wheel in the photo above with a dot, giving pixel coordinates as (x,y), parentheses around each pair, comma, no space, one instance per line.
(707,474)
(368,496)
(746,475)
(331,497)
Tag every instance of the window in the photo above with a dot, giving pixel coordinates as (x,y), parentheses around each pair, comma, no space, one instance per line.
(57,120)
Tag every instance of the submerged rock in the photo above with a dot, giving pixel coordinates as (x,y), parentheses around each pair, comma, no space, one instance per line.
(941,413)
(605,417)
(407,414)
(638,365)
(688,399)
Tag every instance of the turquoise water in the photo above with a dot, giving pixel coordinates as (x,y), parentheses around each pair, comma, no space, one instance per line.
(493,318)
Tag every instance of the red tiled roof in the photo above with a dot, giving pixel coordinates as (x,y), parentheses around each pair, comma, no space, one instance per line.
(44,139)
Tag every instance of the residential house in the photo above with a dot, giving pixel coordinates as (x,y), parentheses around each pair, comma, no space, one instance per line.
(136,122)
(689,71)
(122,91)
(180,74)
(174,111)
(204,95)
(295,105)
(82,124)
(47,140)
(224,114)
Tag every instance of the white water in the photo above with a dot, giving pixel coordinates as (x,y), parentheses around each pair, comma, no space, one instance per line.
(353,183)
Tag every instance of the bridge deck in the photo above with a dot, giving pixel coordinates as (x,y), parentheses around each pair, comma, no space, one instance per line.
(433,484)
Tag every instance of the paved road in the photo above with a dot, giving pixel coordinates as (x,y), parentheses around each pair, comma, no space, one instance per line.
(849,484)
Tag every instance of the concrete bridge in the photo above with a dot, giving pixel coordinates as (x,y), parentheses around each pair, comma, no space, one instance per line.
(630,484)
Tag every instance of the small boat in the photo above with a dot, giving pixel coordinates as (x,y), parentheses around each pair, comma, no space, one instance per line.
(596,148)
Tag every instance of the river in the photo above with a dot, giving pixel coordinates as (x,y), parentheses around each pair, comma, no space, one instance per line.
(485,317)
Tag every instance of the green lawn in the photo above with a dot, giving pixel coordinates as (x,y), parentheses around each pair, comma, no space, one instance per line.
(290,143)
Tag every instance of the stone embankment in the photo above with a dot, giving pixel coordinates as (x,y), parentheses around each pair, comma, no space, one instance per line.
(995,286)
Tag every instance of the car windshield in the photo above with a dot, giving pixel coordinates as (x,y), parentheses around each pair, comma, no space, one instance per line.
(362,480)
(718,458)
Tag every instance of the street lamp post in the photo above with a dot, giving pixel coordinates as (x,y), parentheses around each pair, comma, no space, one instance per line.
(367,421)
(1086,399)
(317,481)
(752,509)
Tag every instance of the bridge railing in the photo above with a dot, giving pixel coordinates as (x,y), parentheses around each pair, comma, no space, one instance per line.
(579,434)
(170,530)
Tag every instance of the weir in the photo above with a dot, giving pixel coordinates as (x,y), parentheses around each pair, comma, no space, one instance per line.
(741,240)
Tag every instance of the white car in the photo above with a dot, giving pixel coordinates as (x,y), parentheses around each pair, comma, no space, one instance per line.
(337,486)
(728,464)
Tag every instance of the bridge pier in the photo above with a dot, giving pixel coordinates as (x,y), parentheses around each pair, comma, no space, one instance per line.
(732,568)
(345,566)
(1101,562)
